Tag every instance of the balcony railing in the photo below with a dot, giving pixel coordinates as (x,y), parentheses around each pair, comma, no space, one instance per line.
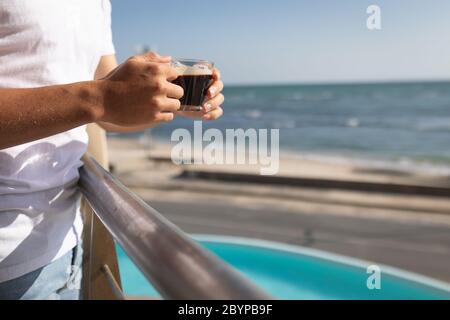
(173,263)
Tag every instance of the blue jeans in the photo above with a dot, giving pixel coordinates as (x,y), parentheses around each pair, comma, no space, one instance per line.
(59,280)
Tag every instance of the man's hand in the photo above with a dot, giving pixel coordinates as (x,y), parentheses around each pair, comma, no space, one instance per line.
(139,92)
(211,108)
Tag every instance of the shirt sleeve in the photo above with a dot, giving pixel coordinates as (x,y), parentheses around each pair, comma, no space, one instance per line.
(107,47)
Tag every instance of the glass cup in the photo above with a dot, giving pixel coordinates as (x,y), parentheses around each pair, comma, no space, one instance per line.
(195,77)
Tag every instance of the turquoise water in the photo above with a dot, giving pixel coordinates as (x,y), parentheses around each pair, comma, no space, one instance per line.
(298,273)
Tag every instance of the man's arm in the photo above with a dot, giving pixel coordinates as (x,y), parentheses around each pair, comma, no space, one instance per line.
(139,84)
(32,114)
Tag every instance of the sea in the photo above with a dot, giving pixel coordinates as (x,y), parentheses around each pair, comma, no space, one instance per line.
(403,126)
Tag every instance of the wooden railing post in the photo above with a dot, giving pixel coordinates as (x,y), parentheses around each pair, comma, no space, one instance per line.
(98,245)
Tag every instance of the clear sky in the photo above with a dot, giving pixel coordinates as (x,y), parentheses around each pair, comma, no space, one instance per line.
(293,41)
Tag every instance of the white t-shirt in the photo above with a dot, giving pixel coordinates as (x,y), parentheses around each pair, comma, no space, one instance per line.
(42,43)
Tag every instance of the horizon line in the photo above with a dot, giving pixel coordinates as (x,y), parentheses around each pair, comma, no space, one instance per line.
(338,82)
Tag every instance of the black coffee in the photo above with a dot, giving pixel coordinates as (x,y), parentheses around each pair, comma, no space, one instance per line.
(195,89)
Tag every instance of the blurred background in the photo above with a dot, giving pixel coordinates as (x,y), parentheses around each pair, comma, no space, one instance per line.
(364,119)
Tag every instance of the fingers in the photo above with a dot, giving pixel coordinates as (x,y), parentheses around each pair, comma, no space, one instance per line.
(171,74)
(211,110)
(211,115)
(174,91)
(215,88)
(165,110)
(164,72)
(161,69)
(216,74)
(217,85)
(168,105)
(213,103)
(155,58)
(164,117)
(212,107)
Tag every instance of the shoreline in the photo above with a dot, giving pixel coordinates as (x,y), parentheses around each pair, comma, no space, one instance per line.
(295,164)
(403,165)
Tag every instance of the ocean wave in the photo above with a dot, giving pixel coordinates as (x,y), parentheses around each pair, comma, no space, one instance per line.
(296,96)
(284,124)
(353,122)
(253,114)
(441,124)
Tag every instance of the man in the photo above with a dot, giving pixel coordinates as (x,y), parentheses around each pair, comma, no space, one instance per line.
(57,74)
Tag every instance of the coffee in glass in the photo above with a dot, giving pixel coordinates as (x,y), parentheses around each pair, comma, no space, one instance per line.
(195,77)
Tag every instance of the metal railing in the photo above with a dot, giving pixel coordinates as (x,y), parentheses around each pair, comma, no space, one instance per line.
(175,265)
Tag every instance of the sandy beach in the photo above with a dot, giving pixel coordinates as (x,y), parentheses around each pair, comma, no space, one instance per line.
(403,230)
(141,166)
